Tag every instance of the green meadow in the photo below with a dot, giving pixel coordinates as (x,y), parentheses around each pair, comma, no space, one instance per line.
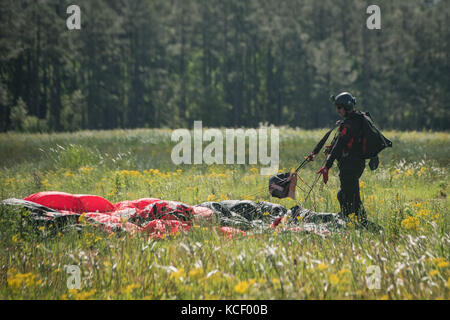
(407,195)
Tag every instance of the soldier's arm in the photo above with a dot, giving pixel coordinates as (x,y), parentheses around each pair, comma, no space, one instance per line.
(343,139)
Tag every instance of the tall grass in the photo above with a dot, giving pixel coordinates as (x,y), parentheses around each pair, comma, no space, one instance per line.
(407,195)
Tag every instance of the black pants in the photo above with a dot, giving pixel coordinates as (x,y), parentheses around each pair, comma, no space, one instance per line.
(350,170)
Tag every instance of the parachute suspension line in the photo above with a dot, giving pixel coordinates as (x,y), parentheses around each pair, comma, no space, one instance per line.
(318,147)
(261,190)
(318,176)
(304,183)
(313,185)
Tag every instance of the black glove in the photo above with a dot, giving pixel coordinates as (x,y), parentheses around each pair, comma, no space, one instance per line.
(373,163)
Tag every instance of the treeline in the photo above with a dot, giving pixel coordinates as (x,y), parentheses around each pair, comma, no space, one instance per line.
(154,63)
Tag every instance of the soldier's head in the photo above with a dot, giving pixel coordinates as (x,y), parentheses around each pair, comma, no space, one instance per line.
(344,103)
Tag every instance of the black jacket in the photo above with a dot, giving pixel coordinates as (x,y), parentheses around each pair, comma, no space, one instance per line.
(349,141)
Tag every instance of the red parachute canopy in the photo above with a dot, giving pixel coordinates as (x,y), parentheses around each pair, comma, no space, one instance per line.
(137,204)
(160,218)
(57,200)
(78,203)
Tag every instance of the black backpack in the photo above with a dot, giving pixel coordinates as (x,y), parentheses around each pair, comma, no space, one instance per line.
(373,141)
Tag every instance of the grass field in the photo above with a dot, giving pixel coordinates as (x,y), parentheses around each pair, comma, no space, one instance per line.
(407,195)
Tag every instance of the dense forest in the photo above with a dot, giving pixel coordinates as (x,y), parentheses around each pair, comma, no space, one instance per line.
(230,63)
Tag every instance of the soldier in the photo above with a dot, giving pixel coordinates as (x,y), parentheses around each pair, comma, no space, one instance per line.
(348,151)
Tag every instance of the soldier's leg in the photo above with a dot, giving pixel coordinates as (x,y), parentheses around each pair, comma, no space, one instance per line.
(350,171)
(357,205)
(346,194)
(359,167)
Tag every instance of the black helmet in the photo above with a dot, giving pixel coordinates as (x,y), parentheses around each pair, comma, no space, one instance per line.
(345,100)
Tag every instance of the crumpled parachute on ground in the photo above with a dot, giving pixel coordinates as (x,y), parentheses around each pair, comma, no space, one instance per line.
(161,218)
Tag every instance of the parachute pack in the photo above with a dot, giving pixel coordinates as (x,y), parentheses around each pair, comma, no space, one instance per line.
(373,141)
(283,185)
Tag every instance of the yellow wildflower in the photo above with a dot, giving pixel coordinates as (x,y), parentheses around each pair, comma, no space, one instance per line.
(130,288)
(437,260)
(261,281)
(195,273)
(421,171)
(433,272)
(423,213)
(343,272)
(86,169)
(84,295)
(72,291)
(46,184)
(254,170)
(276,283)
(224,197)
(410,223)
(334,279)
(178,275)
(16,280)
(242,287)
(417,205)
(81,218)
(322,266)
(14,283)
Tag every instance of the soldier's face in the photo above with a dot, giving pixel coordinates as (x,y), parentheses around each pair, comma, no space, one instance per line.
(341,111)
